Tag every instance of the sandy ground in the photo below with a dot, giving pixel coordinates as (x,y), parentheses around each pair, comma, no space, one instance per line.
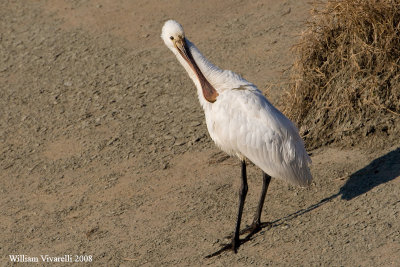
(104,150)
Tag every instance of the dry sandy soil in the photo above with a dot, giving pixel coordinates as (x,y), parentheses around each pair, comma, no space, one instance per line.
(104,149)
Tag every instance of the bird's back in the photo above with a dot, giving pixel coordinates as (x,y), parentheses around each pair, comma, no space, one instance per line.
(242,122)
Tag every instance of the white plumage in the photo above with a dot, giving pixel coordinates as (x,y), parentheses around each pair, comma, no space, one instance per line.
(239,118)
(243,123)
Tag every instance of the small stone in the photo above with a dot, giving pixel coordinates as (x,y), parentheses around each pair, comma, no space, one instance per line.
(68,83)
(179,142)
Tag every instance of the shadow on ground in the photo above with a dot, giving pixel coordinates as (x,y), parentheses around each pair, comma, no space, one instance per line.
(379,171)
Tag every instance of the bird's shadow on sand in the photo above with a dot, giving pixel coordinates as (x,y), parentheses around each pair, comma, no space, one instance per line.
(379,171)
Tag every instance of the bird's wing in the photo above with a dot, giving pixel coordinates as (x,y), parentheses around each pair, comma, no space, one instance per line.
(245,123)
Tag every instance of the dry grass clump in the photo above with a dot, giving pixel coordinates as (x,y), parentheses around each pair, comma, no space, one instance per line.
(347,73)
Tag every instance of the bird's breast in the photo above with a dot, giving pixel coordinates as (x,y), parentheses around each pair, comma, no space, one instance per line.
(225,122)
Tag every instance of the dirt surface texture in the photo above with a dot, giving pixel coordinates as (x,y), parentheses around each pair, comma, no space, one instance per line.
(105,155)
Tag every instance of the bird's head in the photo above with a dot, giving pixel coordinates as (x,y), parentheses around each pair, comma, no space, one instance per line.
(174,38)
(173,34)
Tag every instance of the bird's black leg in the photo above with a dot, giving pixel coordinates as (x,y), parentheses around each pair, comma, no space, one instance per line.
(242,197)
(257,217)
(256,225)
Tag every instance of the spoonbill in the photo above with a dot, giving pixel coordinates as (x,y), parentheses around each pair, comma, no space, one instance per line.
(243,123)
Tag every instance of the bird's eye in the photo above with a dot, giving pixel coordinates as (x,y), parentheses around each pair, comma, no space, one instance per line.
(172,37)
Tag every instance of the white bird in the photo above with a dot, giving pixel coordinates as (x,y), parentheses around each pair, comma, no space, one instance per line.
(242,122)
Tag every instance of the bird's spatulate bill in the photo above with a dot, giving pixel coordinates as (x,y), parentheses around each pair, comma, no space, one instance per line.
(209,92)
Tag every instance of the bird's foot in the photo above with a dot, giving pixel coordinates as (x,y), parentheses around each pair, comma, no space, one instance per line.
(252,229)
(233,246)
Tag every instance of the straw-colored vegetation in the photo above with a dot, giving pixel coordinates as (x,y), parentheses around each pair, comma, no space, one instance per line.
(347,73)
